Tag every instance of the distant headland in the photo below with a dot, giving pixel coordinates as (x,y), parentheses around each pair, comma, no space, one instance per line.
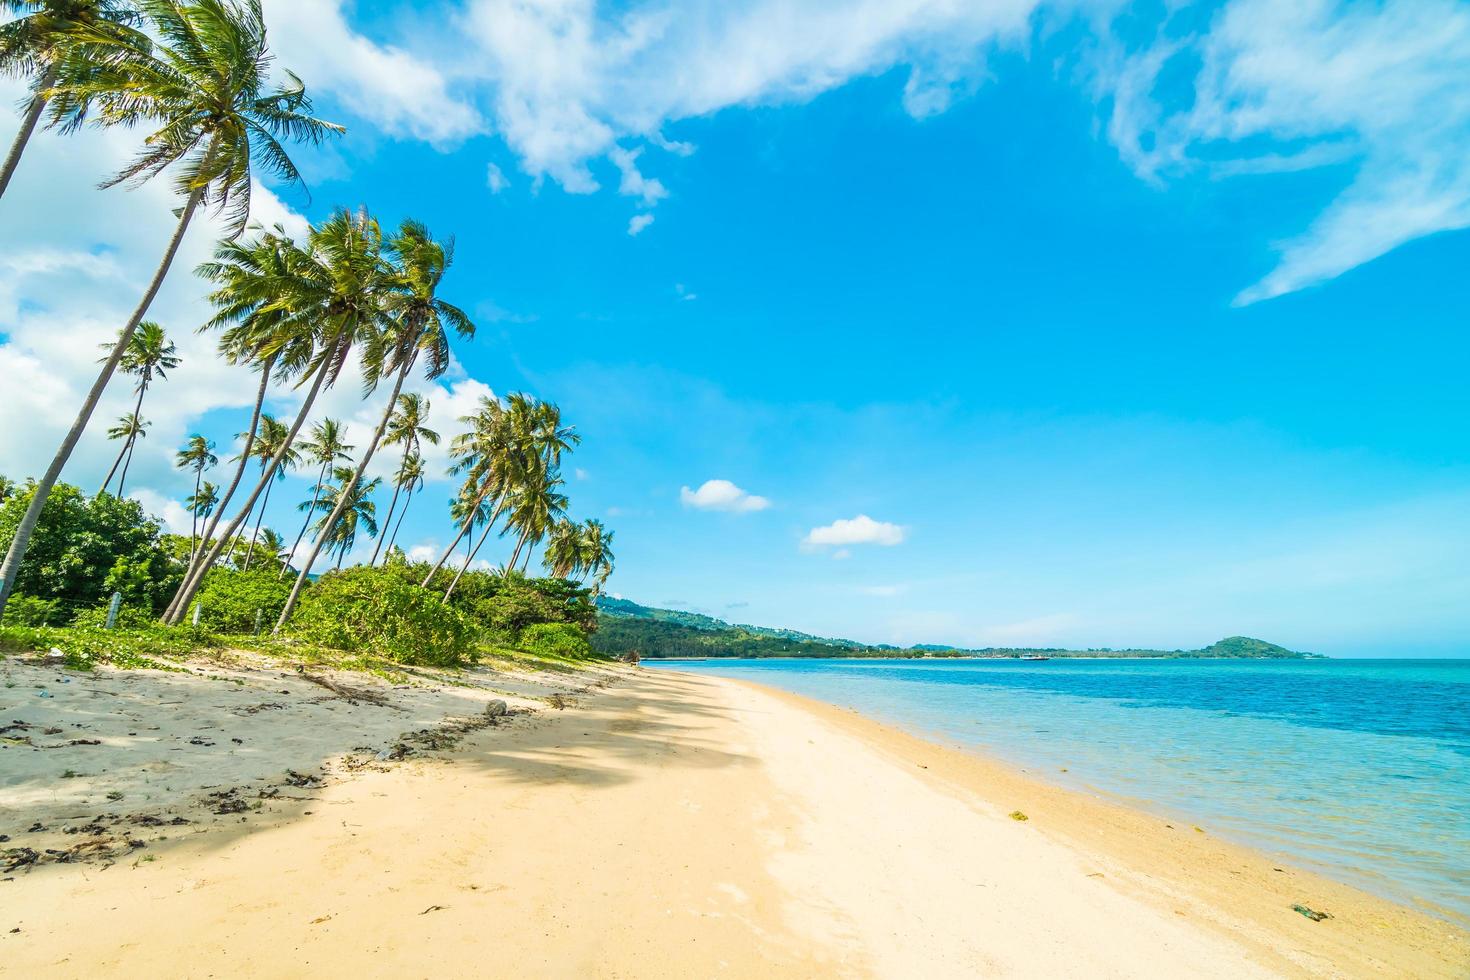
(625,627)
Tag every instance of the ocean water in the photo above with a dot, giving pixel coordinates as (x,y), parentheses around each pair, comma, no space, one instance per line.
(1359,769)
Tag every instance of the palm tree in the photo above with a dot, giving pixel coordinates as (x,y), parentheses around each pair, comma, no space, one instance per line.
(257,331)
(319,303)
(325,448)
(536,507)
(45,35)
(410,477)
(200,505)
(418,324)
(270,545)
(128,428)
(204,86)
(7,488)
(597,554)
(197,455)
(273,441)
(405,428)
(149,353)
(564,553)
(349,501)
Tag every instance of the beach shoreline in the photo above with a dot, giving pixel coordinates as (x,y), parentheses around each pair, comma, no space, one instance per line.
(676,825)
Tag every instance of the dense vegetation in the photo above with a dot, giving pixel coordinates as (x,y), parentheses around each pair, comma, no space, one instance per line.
(88,548)
(626,628)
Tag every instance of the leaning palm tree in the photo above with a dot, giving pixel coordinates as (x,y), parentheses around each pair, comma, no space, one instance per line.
(418,325)
(47,35)
(538,505)
(150,354)
(350,501)
(200,506)
(564,554)
(409,478)
(204,85)
(326,448)
(197,455)
(258,332)
(326,299)
(129,428)
(405,428)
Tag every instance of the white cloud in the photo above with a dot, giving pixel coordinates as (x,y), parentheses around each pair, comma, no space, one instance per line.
(722,495)
(638,222)
(427,551)
(172,513)
(581,474)
(402,94)
(858,530)
(634,184)
(495,179)
(684,293)
(1283,86)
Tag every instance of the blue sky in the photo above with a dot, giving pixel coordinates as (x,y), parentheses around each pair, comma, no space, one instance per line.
(1055,324)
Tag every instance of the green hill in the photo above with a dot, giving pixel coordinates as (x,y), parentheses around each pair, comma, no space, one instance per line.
(626,627)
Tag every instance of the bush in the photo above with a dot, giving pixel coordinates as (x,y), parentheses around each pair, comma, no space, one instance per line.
(25,610)
(230,599)
(556,640)
(378,611)
(128,618)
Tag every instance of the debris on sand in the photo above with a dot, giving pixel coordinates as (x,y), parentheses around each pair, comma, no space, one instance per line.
(1310,913)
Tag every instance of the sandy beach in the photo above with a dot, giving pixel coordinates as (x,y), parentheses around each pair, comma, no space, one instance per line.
(616,823)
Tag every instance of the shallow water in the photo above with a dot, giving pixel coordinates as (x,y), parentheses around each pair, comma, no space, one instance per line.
(1359,769)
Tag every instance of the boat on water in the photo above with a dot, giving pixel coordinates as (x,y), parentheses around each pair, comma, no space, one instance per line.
(1035,657)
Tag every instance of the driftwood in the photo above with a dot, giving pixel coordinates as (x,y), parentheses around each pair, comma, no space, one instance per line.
(343,691)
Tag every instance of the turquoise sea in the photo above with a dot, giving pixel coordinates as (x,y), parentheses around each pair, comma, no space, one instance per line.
(1359,769)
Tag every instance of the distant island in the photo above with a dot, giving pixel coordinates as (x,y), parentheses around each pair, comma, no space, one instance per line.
(625,627)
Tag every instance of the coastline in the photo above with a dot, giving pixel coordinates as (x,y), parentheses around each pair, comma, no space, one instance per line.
(677,825)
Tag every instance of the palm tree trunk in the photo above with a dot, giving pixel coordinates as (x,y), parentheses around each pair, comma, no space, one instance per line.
(391,506)
(22,540)
(194,515)
(133,436)
(315,496)
(468,558)
(406,501)
(255,535)
(196,578)
(115,464)
(223,502)
(27,125)
(344,497)
(464,529)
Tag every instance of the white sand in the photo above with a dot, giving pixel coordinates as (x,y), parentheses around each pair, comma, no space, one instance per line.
(674,826)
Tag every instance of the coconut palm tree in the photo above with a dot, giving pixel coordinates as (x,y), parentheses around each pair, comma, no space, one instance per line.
(534,511)
(129,428)
(418,325)
(44,36)
(269,546)
(326,299)
(410,477)
(565,550)
(326,448)
(197,455)
(350,501)
(273,440)
(200,505)
(597,554)
(406,428)
(257,332)
(150,354)
(204,86)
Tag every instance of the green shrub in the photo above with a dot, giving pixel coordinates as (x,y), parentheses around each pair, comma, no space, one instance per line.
(556,640)
(377,610)
(230,598)
(85,647)
(25,610)
(128,618)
